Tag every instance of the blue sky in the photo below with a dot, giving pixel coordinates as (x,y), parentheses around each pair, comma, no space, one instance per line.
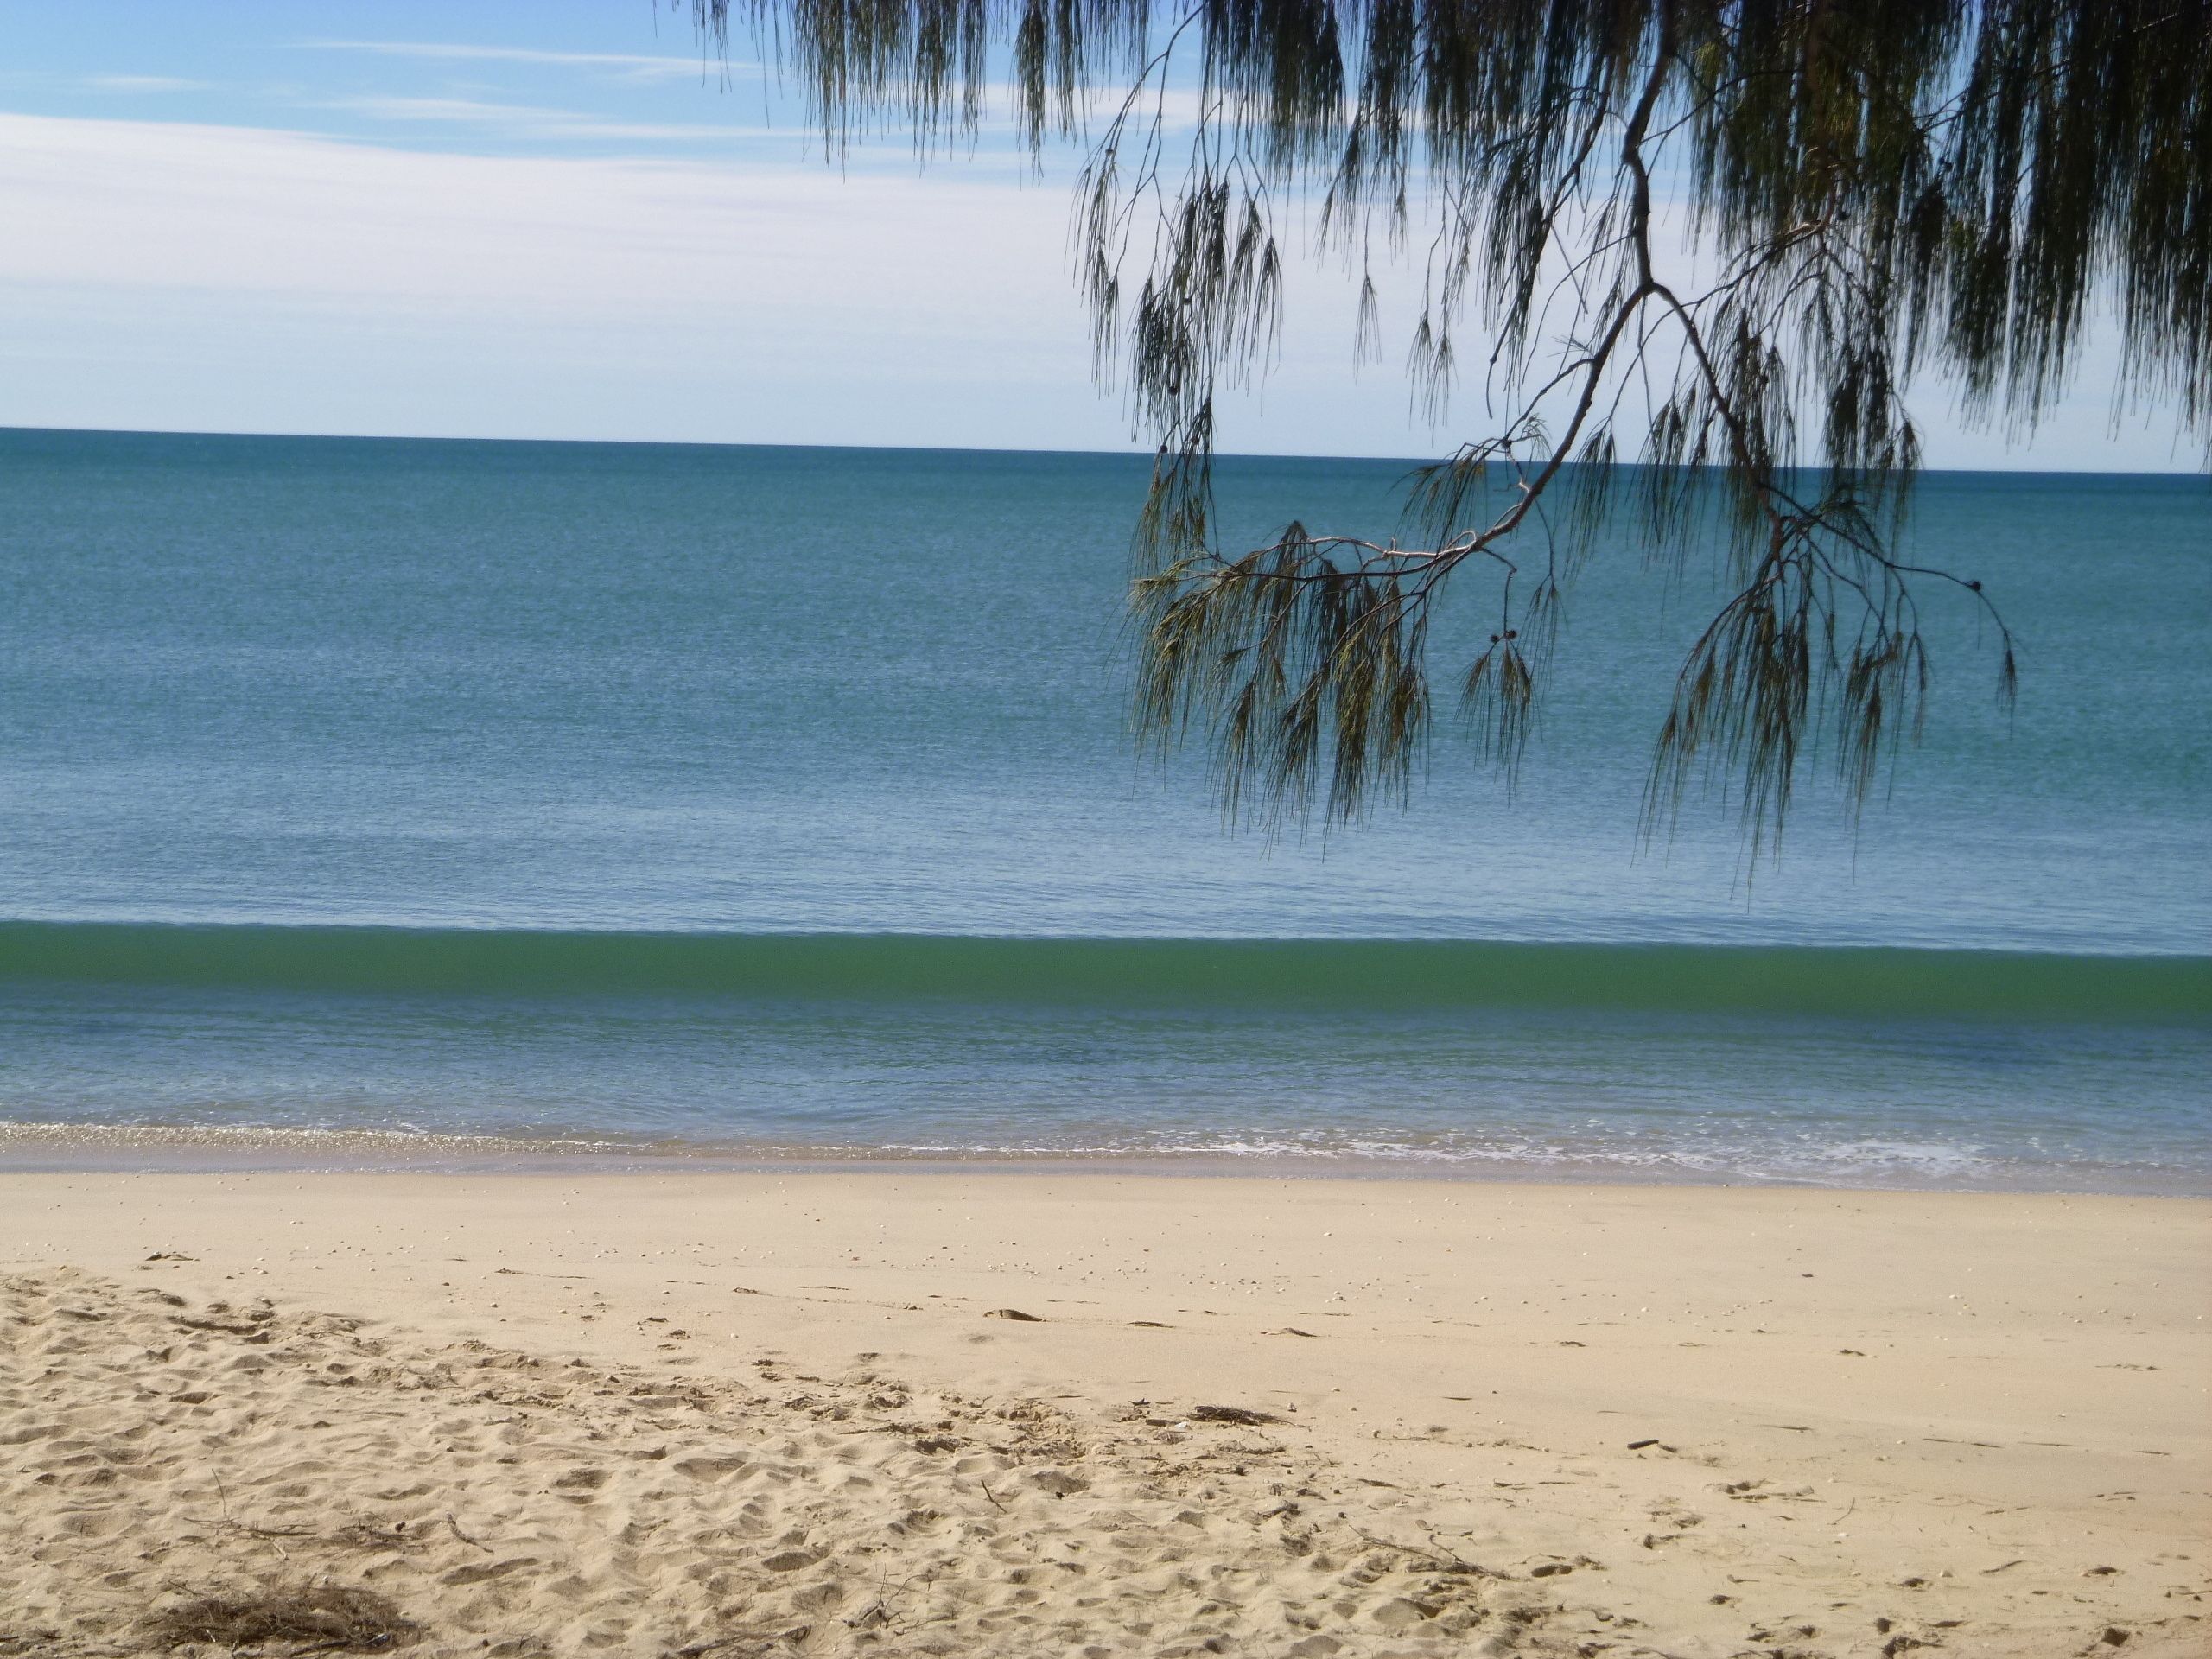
(560,220)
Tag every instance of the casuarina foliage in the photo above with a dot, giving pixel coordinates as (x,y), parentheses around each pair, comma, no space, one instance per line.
(1691,254)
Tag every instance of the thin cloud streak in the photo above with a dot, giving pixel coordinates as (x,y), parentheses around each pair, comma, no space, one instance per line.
(144,84)
(529,121)
(633,65)
(461,110)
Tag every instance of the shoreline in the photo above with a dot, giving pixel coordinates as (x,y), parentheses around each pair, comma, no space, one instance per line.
(1698,1415)
(34,1149)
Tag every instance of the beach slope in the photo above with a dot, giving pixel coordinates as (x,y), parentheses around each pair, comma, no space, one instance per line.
(993,1413)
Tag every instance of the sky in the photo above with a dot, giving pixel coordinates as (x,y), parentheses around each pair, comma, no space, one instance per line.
(563,220)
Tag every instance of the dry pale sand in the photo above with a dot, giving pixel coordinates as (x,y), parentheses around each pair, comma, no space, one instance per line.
(730,1415)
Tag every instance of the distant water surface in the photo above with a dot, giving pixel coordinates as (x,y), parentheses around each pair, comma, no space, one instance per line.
(311,750)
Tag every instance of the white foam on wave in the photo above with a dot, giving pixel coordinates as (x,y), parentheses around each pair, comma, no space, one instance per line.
(1857,1163)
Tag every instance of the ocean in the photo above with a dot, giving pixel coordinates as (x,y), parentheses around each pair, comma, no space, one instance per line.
(492,804)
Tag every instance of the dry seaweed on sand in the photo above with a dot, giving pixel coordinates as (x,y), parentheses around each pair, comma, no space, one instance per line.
(1241,1416)
(323,1617)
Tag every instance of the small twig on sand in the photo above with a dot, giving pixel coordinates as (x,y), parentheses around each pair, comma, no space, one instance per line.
(994,1496)
(267,1535)
(463,1536)
(1441,1561)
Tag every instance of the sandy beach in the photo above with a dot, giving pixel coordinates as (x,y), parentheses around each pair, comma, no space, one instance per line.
(1002,1413)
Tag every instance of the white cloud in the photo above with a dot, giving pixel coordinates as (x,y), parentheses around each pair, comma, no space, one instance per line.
(127,204)
(637,65)
(144,84)
(461,110)
(526,121)
(176,274)
(198,276)
(665,132)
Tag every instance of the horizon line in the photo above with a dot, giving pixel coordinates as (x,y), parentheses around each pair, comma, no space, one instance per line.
(1136,452)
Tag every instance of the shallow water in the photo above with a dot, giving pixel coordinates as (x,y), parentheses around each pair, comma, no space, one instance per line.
(308,747)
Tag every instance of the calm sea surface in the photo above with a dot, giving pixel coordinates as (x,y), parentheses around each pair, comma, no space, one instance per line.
(384,799)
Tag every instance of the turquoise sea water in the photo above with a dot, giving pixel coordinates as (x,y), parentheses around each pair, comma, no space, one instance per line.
(669,800)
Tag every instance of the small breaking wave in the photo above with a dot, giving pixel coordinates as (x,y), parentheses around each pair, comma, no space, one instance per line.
(1848,1165)
(1851,981)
